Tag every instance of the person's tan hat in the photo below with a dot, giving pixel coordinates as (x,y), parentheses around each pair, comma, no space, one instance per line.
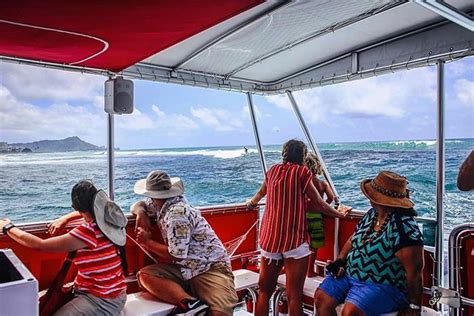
(159,185)
(387,189)
(110,218)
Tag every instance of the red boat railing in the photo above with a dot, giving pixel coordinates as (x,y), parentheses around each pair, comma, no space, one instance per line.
(461,267)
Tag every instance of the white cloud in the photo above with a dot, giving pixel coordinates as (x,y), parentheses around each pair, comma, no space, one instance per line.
(22,121)
(258,113)
(461,67)
(218,119)
(380,96)
(28,83)
(38,103)
(176,122)
(135,122)
(465,92)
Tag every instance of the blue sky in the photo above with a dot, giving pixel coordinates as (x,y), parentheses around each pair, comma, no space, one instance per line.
(37,103)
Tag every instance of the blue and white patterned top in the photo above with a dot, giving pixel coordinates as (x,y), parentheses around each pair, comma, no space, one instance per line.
(375,261)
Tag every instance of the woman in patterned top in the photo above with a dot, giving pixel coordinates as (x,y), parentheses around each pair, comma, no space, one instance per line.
(99,285)
(284,231)
(379,270)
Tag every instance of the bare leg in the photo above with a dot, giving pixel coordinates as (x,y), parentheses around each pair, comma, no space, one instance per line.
(267,282)
(352,310)
(163,289)
(325,304)
(311,260)
(295,277)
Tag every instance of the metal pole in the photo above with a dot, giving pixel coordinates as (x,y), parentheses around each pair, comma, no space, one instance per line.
(311,142)
(110,154)
(315,149)
(439,254)
(257,135)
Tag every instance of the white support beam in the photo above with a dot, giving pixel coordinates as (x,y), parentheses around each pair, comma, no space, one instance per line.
(256,133)
(446,11)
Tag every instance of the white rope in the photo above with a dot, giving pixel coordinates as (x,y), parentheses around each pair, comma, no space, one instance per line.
(231,246)
(235,243)
(105,43)
(143,249)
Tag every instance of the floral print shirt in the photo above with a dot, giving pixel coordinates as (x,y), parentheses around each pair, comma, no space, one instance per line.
(189,237)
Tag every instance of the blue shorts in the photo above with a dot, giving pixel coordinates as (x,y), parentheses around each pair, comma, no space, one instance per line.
(371,298)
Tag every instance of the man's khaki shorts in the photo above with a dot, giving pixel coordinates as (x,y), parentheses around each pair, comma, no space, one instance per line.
(215,287)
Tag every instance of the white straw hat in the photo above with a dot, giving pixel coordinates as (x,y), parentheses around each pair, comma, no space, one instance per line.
(110,218)
(159,185)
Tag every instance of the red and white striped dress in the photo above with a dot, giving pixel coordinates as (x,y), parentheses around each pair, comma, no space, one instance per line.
(99,265)
(284,224)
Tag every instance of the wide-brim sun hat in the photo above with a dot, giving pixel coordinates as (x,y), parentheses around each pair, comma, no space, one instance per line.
(110,218)
(159,185)
(387,189)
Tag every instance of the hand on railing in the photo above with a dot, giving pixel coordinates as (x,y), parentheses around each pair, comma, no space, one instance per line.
(251,205)
(57,227)
(344,209)
(143,236)
(143,222)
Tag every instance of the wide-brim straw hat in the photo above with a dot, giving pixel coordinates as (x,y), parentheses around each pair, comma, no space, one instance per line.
(110,218)
(159,185)
(387,189)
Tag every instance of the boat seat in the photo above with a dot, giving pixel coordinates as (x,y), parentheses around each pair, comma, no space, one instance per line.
(310,286)
(144,304)
(426,311)
(245,279)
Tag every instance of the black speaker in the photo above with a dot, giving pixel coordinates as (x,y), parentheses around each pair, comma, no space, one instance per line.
(119,96)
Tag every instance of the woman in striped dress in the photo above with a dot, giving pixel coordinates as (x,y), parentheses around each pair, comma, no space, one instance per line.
(284,230)
(99,286)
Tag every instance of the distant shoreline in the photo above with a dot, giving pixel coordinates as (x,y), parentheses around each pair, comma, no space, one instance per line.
(318,143)
(69,144)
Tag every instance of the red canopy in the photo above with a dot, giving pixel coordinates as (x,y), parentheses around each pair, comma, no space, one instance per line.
(105,34)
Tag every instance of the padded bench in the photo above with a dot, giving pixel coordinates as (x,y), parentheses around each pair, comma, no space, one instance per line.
(144,304)
(310,286)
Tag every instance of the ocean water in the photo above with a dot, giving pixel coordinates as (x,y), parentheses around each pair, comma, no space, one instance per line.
(36,187)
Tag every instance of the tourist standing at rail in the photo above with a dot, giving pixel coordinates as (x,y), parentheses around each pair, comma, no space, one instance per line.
(379,270)
(314,218)
(284,230)
(194,267)
(99,287)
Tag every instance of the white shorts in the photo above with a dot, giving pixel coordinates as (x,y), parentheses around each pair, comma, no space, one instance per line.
(297,253)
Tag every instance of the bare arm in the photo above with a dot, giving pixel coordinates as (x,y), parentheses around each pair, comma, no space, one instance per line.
(320,204)
(58,226)
(142,220)
(55,244)
(411,259)
(259,195)
(161,250)
(328,191)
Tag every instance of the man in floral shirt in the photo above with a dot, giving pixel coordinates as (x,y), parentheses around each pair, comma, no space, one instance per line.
(198,272)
